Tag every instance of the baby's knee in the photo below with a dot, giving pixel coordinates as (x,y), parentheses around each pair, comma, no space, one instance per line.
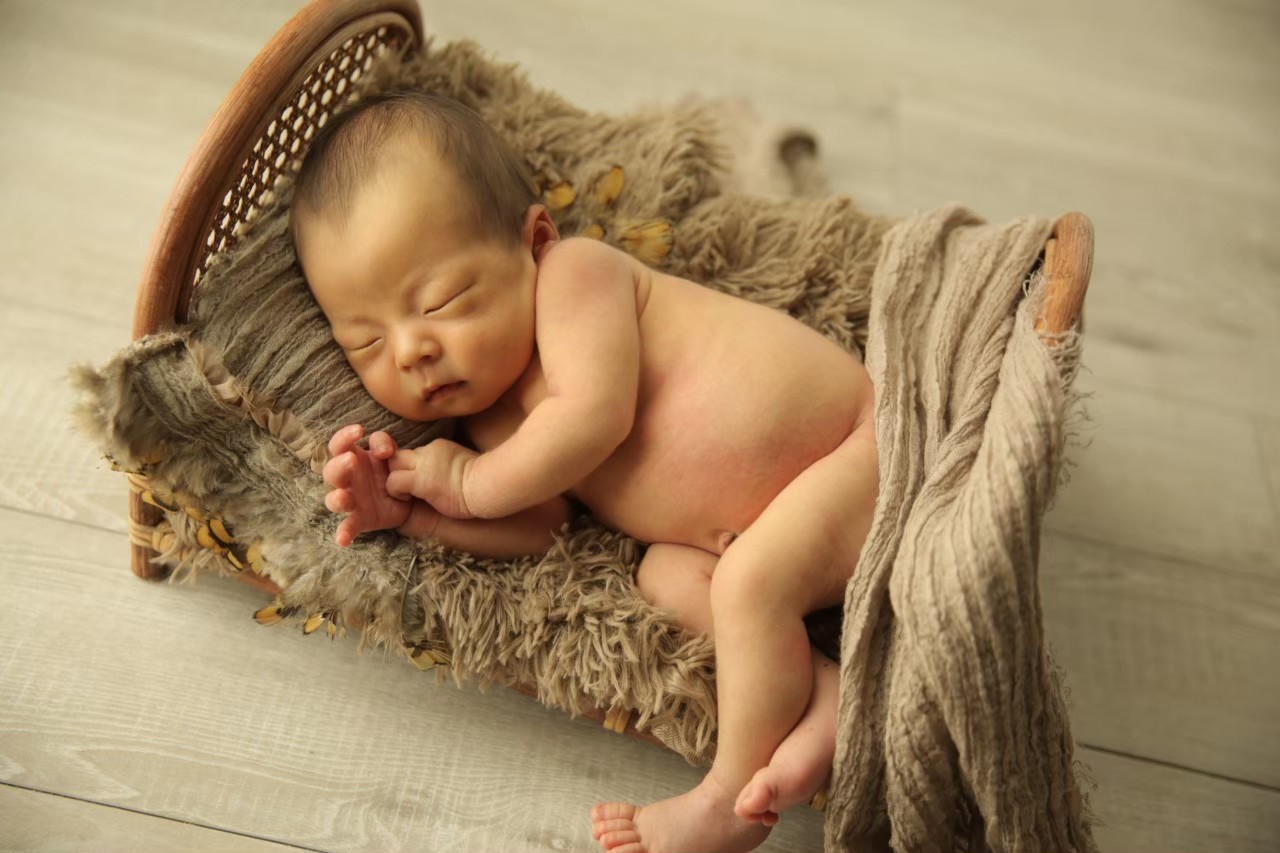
(744,581)
(649,583)
(668,572)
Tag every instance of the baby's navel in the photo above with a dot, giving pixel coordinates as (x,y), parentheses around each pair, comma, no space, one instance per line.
(724,538)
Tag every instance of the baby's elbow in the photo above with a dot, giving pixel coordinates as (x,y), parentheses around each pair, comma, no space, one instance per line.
(616,420)
(555,514)
(548,520)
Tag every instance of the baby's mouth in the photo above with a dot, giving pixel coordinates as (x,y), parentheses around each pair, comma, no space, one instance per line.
(440,392)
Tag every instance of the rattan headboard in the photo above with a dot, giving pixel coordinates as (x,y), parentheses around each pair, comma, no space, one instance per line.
(262,129)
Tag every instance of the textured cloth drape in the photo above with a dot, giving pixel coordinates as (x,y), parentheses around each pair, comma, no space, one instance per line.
(952,720)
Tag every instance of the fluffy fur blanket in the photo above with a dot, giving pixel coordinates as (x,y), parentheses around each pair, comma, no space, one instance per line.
(952,723)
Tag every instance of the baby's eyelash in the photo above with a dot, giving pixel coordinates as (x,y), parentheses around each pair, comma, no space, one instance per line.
(427,311)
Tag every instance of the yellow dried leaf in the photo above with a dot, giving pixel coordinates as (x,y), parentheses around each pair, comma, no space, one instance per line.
(253,556)
(220,531)
(419,658)
(648,241)
(616,720)
(150,497)
(610,186)
(561,196)
(425,659)
(205,537)
(273,613)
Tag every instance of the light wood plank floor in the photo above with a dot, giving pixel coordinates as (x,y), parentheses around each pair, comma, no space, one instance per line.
(141,717)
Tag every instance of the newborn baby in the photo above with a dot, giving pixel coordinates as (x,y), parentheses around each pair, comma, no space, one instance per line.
(736,440)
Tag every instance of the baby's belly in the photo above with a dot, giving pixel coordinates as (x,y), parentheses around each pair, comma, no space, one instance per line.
(735,400)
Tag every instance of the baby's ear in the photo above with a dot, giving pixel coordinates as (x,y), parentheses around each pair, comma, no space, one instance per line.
(113,410)
(538,233)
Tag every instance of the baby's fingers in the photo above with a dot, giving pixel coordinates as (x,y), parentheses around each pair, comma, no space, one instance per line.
(400,484)
(345,439)
(338,470)
(346,532)
(382,445)
(402,460)
(339,500)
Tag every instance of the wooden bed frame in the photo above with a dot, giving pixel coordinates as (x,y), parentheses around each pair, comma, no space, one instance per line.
(262,129)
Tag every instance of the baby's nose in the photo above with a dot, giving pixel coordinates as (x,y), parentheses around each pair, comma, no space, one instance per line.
(415,350)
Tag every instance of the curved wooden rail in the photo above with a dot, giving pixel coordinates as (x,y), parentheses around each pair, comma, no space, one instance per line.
(230,157)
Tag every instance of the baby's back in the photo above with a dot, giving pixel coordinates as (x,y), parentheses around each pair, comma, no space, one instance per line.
(735,400)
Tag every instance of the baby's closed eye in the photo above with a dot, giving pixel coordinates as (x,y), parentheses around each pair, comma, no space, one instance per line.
(357,347)
(452,300)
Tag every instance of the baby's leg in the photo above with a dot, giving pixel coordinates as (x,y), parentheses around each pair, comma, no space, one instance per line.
(678,578)
(797,557)
(802,762)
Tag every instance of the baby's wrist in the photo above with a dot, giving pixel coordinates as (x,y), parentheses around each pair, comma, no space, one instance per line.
(422,522)
(466,485)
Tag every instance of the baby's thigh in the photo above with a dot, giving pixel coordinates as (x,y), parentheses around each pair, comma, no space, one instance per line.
(804,547)
(678,578)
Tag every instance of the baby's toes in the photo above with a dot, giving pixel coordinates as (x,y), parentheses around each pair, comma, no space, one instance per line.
(756,801)
(611,840)
(600,828)
(614,811)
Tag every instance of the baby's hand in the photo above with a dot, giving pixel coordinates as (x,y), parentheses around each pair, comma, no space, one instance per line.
(435,473)
(357,479)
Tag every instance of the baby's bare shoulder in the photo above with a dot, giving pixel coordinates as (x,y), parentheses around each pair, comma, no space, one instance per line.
(577,257)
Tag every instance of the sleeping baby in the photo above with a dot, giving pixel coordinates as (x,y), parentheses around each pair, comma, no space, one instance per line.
(733,438)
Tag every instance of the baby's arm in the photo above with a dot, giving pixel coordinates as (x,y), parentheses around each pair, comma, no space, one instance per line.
(588,339)
(357,478)
(531,531)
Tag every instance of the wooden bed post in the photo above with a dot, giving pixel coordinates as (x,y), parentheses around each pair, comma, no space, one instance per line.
(1068,266)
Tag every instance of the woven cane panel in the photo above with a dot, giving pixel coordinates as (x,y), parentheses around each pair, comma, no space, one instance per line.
(284,140)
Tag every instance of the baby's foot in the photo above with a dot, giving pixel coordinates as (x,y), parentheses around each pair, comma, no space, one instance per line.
(700,820)
(801,763)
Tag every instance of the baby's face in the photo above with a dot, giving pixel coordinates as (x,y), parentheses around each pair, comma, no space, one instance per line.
(436,321)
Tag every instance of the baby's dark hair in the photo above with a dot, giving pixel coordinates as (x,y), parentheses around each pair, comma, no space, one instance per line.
(347,151)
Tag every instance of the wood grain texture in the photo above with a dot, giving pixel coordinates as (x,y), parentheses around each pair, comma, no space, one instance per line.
(1166,659)
(1160,570)
(35,821)
(289,738)
(1168,810)
(1268,432)
(1169,478)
